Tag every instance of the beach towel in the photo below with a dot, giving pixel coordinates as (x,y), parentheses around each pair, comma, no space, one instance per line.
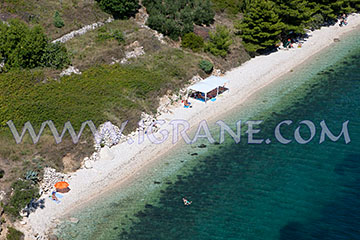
(58,195)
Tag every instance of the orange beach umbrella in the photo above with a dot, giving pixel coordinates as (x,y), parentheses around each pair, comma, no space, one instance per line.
(61,185)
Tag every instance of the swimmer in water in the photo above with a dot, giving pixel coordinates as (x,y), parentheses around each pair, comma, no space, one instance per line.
(186,202)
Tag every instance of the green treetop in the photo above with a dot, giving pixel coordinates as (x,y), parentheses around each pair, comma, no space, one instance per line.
(295,14)
(261,26)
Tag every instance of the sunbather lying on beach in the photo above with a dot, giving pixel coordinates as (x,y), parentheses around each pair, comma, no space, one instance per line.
(53,196)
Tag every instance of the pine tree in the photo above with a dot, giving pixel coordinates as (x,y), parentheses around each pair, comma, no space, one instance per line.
(261,26)
(331,9)
(220,41)
(58,21)
(295,14)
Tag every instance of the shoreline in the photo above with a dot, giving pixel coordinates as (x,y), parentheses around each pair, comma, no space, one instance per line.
(120,163)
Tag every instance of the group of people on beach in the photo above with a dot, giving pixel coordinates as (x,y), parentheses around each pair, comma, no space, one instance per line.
(343,20)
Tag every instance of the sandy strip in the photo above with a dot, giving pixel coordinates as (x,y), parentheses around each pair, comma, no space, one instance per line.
(121,161)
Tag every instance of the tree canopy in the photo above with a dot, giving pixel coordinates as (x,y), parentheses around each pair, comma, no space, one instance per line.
(261,26)
(25,47)
(120,9)
(175,18)
(266,21)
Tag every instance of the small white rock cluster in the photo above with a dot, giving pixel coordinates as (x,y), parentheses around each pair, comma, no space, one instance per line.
(81,31)
(217,72)
(70,70)
(195,79)
(136,52)
(109,134)
(2,195)
(142,16)
(2,65)
(50,178)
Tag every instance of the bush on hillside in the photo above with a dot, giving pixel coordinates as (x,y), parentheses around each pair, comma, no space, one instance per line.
(58,21)
(25,47)
(104,35)
(118,36)
(120,9)
(175,18)
(229,6)
(20,46)
(55,56)
(23,193)
(14,234)
(206,66)
(220,42)
(192,41)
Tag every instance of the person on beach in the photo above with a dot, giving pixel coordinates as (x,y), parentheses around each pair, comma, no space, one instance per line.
(187,103)
(53,196)
(343,20)
(186,202)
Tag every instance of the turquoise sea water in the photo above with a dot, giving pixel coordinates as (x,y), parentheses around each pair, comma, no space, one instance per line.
(261,192)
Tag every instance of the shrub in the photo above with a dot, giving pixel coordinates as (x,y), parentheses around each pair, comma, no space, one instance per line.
(120,9)
(220,41)
(103,35)
(192,41)
(58,21)
(175,18)
(23,193)
(55,56)
(228,6)
(119,36)
(32,176)
(206,66)
(20,46)
(203,13)
(14,234)
(24,47)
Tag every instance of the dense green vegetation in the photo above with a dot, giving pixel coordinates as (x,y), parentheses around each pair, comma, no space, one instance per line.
(192,41)
(176,18)
(119,91)
(229,6)
(58,21)
(55,56)
(220,41)
(120,9)
(14,234)
(265,23)
(206,66)
(261,26)
(23,192)
(105,35)
(25,47)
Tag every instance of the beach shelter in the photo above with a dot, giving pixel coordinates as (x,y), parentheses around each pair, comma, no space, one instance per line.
(207,85)
(62,187)
(215,81)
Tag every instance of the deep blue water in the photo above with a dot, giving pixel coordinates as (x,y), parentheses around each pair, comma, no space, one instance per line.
(261,192)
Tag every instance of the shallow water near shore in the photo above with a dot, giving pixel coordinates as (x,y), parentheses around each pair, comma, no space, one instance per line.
(261,191)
